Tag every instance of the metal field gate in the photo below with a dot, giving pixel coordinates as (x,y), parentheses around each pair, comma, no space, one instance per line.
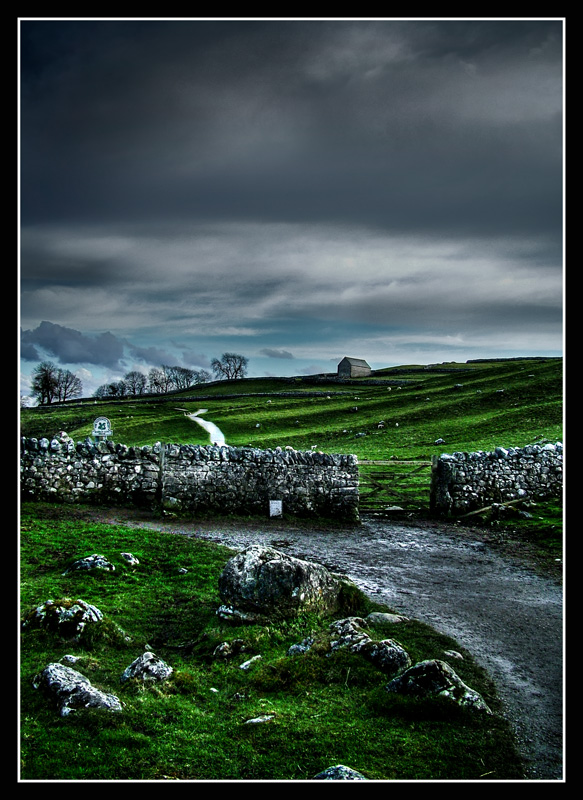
(393,485)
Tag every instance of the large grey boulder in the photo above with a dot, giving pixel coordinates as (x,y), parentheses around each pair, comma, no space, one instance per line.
(435,678)
(261,581)
(73,691)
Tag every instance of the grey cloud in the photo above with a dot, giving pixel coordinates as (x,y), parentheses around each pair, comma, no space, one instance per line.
(246,277)
(372,121)
(29,352)
(71,346)
(151,355)
(199,360)
(192,359)
(271,353)
(314,369)
(449,306)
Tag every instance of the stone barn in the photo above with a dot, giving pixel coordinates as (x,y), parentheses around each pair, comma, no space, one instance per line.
(353,368)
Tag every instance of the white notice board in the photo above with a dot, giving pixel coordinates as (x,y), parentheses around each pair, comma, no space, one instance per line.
(275,508)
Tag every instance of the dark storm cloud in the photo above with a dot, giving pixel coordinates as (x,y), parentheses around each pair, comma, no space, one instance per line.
(70,346)
(375,122)
(207,185)
(28,352)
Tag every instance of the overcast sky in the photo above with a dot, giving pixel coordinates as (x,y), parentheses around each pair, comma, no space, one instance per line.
(292,190)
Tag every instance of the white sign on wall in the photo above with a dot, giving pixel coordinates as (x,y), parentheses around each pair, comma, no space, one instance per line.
(275,508)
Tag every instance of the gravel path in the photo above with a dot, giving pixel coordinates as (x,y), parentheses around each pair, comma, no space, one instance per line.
(507,616)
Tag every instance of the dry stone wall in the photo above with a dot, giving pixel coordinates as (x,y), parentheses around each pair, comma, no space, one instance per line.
(190,478)
(464,482)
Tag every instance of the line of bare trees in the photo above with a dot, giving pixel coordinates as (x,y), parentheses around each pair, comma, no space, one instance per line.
(52,384)
(164,379)
(159,380)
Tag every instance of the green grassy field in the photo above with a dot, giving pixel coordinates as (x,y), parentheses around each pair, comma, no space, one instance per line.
(471,407)
(324,708)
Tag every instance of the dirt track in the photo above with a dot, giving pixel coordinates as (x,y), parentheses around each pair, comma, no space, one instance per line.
(507,616)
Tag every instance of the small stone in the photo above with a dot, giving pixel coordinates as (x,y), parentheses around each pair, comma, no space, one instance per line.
(303,647)
(66,617)
(147,667)
(69,659)
(453,654)
(95,561)
(247,664)
(379,617)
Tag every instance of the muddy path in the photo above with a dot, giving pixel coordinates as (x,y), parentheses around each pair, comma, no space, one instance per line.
(509,617)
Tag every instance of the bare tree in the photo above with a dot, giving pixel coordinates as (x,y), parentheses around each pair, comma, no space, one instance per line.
(68,385)
(158,380)
(231,365)
(114,389)
(118,388)
(136,382)
(202,376)
(166,378)
(44,382)
(102,391)
(180,377)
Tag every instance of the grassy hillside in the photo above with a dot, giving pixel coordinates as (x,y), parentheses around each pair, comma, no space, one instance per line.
(476,406)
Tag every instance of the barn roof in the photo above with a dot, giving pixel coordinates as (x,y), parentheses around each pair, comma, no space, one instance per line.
(357,362)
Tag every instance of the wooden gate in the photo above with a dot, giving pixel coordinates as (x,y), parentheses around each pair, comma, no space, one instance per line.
(394,485)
